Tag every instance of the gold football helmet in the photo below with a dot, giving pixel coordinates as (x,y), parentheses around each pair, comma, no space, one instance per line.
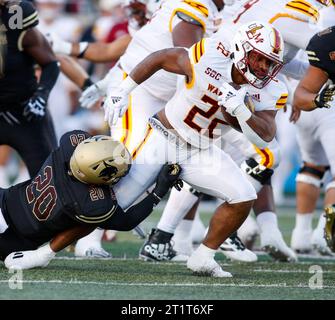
(100,160)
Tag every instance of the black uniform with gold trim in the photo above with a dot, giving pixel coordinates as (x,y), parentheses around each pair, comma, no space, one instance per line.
(33,140)
(321,51)
(53,201)
(18,82)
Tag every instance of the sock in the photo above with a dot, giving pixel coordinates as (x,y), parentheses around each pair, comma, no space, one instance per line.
(304,221)
(267,220)
(178,205)
(184,229)
(204,251)
(92,239)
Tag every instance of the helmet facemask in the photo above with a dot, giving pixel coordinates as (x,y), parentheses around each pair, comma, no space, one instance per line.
(258,53)
(247,66)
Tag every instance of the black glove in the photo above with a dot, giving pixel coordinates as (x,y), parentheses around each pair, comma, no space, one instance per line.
(327,94)
(36,107)
(168,177)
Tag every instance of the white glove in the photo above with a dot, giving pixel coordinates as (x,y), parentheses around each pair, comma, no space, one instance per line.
(91,95)
(115,105)
(30,259)
(233,101)
(117,100)
(58,45)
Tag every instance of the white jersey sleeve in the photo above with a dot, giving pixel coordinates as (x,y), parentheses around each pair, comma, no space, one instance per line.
(204,14)
(272,97)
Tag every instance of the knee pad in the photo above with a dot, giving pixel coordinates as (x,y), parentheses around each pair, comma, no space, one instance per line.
(308,179)
(257,171)
(330,185)
(313,171)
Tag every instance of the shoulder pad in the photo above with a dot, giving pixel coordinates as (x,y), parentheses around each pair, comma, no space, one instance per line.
(97,217)
(30,15)
(185,17)
(74,137)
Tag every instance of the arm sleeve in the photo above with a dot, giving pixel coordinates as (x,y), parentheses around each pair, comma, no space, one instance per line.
(30,15)
(318,49)
(128,220)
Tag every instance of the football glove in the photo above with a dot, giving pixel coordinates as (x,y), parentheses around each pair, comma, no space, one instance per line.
(233,101)
(91,95)
(326,97)
(168,177)
(330,227)
(58,45)
(35,109)
(40,257)
(115,105)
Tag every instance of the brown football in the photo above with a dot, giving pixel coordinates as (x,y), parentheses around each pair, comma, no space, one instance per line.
(232,121)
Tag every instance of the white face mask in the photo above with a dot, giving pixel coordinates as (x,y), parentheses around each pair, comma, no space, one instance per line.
(49,14)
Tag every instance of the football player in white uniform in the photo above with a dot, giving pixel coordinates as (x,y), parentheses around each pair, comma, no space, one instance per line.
(185,129)
(315,133)
(295,20)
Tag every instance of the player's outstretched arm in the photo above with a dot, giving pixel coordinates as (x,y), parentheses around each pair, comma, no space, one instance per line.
(42,256)
(128,220)
(173,60)
(95,52)
(74,71)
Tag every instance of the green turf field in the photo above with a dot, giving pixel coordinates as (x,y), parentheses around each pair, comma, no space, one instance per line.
(126,277)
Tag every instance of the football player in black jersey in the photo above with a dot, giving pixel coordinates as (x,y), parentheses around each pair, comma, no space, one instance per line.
(317,90)
(25,123)
(69,197)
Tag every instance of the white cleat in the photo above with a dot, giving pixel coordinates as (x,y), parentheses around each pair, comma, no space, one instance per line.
(91,252)
(301,240)
(234,249)
(319,243)
(248,232)
(273,243)
(206,267)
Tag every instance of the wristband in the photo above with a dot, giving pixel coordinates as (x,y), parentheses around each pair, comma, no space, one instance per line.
(128,85)
(83,46)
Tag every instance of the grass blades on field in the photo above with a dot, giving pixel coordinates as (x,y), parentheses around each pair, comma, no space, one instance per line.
(126,277)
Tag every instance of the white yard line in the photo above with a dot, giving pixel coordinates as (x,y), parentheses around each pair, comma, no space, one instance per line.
(156,284)
(289,271)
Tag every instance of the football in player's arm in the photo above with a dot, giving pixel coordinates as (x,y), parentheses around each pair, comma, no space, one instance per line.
(316,89)
(70,196)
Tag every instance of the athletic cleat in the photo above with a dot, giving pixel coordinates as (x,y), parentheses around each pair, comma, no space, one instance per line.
(234,249)
(329,231)
(248,232)
(301,241)
(93,252)
(206,267)
(159,248)
(273,243)
(319,243)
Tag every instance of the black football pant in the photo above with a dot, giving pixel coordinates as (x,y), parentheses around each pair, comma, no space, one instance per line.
(33,140)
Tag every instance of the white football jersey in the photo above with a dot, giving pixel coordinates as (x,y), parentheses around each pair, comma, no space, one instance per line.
(295,20)
(194,111)
(157,35)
